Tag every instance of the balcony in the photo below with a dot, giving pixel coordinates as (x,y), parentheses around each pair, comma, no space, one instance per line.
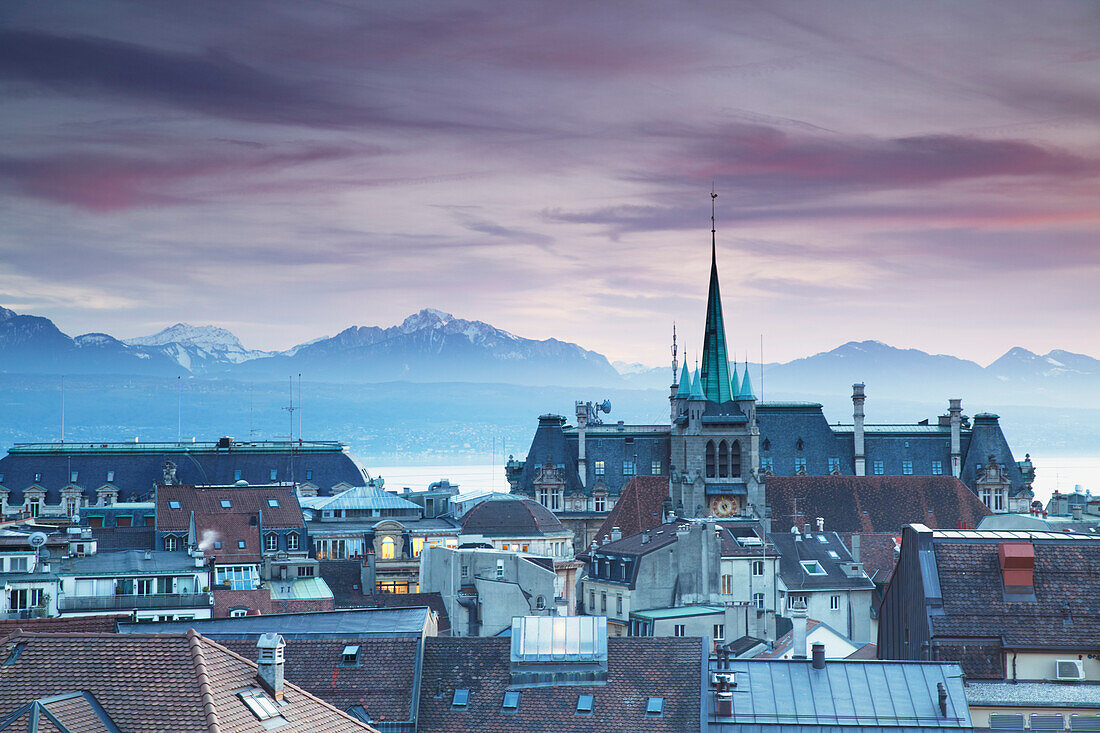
(134,602)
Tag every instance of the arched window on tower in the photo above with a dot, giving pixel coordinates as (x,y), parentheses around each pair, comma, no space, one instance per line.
(735,459)
(723,460)
(710,459)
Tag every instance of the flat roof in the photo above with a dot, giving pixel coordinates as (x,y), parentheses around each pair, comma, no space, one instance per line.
(258,446)
(360,622)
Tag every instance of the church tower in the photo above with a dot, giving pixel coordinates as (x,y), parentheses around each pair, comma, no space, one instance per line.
(715,454)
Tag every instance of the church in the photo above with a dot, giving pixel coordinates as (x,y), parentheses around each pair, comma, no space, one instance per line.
(721,444)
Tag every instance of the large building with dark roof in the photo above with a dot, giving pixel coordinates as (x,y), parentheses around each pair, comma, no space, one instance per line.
(722,445)
(61,478)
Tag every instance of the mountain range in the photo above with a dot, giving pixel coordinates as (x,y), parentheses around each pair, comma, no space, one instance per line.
(433,346)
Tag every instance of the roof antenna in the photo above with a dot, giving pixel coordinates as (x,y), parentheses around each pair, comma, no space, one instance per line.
(674,364)
(713,196)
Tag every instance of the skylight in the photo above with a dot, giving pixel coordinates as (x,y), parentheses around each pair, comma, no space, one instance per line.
(174,505)
(273,502)
(584,704)
(260,705)
(240,544)
(655,707)
(226,504)
(813,567)
(511,700)
(461,699)
(823,539)
(832,554)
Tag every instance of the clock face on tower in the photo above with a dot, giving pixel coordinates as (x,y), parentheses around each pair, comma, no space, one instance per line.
(723,506)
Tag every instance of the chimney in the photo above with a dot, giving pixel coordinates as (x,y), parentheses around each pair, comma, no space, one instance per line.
(820,524)
(1076,510)
(855,547)
(857,417)
(148,555)
(582,424)
(724,704)
(616,534)
(645,537)
(798,631)
(955,411)
(806,530)
(942,694)
(1017,566)
(270,648)
(819,655)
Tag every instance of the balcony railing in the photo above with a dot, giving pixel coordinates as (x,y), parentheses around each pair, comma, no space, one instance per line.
(126,602)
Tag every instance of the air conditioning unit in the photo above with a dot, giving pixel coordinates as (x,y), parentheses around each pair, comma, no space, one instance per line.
(1069,669)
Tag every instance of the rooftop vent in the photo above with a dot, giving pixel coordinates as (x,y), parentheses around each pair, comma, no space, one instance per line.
(616,534)
(461,699)
(270,648)
(351,654)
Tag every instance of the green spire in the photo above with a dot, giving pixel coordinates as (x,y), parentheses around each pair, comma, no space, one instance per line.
(746,387)
(696,388)
(715,369)
(734,383)
(684,390)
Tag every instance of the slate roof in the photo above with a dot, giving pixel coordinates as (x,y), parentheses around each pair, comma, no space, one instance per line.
(350,624)
(177,682)
(638,668)
(382,681)
(109,539)
(128,562)
(137,466)
(873,503)
(434,601)
(659,536)
(639,507)
(344,580)
(793,553)
(510,518)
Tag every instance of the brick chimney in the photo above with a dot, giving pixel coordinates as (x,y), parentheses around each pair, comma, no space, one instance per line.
(270,648)
(1017,566)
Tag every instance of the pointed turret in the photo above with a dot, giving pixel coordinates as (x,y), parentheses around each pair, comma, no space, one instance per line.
(697,388)
(746,387)
(683,391)
(735,385)
(715,369)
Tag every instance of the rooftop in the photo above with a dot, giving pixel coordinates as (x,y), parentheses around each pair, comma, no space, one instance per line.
(262,446)
(362,622)
(510,518)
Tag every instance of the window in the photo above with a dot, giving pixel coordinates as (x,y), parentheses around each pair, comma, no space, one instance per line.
(711,458)
(240,544)
(766,445)
(795,599)
(226,504)
(511,701)
(555,501)
(273,503)
(999,501)
(350,654)
(727,584)
(758,599)
(271,542)
(735,459)
(274,475)
(237,577)
(70,507)
(23,599)
(833,554)
(723,460)
(603,603)
(540,603)
(461,699)
(599,468)
(500,570)
(584,704)
(907,468)
(465,571)
(601,503)
(238,613)
(879,468)
(719,632)
(305,571)
(834,603)
(757,567)
(110,477)
(834,465)
(799,464)
(767,465)
(18,564)
(619,604)
(73,476)
(292,541)
(217,544)
(937,468)
(655,707)
(171,544)
(395,586)
(237,475)
(37,478)
(389,548)
(34,506)
(655,468)
(813,567)
(628,468)
(173,504)
(679,630)
(591,601)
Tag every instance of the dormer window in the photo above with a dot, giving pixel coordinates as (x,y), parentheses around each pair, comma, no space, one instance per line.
(271,542)
(292,541)
(309,475)
(237,475)
(171,543)
(274,475)
(73,475)
(351,654)
(240,544)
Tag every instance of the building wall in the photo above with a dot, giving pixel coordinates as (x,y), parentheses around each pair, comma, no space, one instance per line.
(903,626)
(702,626)
(744,584)
(979,714)
(1041,665)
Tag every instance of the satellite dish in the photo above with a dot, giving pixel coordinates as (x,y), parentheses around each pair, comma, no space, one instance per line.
(37,539)
(606,406)
(75,518)
(44,555)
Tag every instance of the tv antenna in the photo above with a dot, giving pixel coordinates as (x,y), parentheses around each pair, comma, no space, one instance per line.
(291,409)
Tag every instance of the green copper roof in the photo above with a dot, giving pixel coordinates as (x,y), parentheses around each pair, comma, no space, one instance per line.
(715,369)
(746,387)
(734,383)
(684,390)
(696,388)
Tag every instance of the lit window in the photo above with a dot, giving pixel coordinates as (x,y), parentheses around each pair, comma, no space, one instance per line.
(655,707)
(907,468)
(271,542)
(727,584)
(388,548)
(110,476)
(237,475)
(834,603)
(628,468)
(758,567)
(511,700)
(173,504)
(273,475)
(226,504)
(418,546)
(937,468)
(73,476)
(292,541)
(655,468)
(273,503)
(584,704)
(813,567)
(240,544)
(461,699)
(767,465)
(599,468)
(679,630)
(880,468)
(799,464)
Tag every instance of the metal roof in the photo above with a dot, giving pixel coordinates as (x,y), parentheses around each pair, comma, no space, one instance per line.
(359,497)
(129,562)
(894,695)
(261,446)
(383,622)
(678,612)
(559,639)
(299,589)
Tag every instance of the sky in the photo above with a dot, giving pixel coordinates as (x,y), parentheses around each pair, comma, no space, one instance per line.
(926,174)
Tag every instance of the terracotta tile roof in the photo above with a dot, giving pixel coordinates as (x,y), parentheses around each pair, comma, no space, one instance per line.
(181,682)
(638,508)
(64,624)
(638,668)
(382,682)
(873,503)
(248,500)
(867,651)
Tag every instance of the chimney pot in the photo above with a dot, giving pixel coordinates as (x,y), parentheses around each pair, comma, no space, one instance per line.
(725,704)
(820,524)
(270,661)
(819,656)
(616,534)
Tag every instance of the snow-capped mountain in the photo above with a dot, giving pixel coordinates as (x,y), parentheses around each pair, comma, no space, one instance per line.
(1020,364)
(199,348)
